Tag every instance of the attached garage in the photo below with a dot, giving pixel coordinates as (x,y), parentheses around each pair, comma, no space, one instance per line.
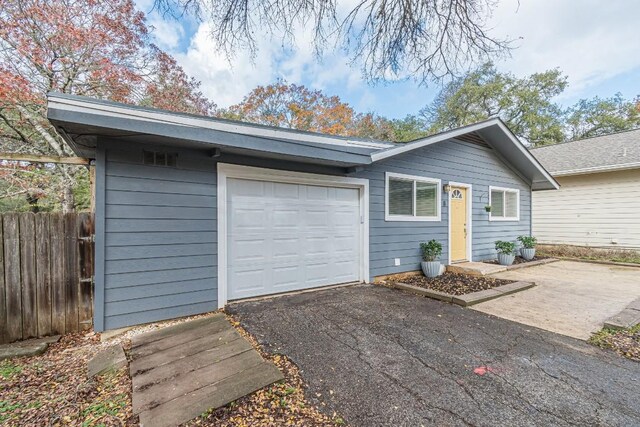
(289,232)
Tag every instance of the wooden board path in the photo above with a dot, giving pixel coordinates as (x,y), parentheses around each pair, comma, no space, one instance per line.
(181,371)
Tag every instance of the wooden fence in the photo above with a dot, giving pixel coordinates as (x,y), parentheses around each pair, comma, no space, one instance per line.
(46,266)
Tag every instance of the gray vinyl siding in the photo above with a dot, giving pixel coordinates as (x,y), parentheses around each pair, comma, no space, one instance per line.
(156,227)
(160,236)
(448,161)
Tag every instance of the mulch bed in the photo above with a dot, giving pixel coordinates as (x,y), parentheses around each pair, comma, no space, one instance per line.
(519,260)
(625,342)
(453,283)
(53,390)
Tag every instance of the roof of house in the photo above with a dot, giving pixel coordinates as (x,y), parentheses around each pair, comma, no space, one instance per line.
(611,152)
(81,120)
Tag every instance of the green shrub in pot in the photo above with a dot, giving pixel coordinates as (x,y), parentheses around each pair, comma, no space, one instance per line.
(528,249)
(506,252)
(431,251)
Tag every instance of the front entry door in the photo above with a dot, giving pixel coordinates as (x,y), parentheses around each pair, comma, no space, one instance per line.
(458,212)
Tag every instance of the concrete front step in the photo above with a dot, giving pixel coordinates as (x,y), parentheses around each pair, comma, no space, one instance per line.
(486,269)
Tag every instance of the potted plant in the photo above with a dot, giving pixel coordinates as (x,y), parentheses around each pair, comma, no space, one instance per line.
(506,252)
(431,251)
(528,249)
(487,208)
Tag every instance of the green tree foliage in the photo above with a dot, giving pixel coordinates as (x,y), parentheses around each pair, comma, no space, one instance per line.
(597,116)
(525,104)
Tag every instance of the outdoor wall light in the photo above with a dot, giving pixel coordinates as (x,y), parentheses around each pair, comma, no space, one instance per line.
(446,188)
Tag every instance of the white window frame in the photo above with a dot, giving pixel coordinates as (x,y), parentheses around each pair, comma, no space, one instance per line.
(505,190)
(414,178)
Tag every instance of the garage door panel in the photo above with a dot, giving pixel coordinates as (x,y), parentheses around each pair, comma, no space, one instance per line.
(283,237)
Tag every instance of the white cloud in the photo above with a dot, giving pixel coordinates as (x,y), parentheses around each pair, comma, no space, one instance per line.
(591,41)
(166,33)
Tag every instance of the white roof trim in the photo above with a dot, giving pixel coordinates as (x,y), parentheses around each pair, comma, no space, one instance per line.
(594,169)
(409,146)
(390,152)
(114,110)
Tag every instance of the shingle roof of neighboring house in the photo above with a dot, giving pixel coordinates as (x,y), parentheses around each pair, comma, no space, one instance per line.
(598,154)
(81,121)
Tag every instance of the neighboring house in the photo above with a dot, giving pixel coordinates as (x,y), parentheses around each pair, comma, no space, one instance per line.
(598,203)
(192,212)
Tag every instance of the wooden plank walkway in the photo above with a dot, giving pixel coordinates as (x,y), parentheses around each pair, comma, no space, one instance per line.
(181,371)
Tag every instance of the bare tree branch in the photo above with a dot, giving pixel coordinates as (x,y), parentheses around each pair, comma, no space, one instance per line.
(390,39)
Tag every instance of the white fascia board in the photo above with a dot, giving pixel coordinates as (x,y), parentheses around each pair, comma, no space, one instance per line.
(123,111)
(529,156)
(381,155)
(409,146)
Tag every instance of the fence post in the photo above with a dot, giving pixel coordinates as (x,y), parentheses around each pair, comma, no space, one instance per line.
(43,273)
(28,273)
(58,309)
(12,277)
(3,300)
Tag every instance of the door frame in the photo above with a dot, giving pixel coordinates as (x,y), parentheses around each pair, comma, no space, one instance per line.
(227,170)
(469,217)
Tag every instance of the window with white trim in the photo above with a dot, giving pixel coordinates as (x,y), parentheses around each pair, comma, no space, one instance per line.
(411,198)
(505,204)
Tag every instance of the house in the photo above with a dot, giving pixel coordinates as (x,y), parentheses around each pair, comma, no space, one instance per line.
(192,212)
(598,204)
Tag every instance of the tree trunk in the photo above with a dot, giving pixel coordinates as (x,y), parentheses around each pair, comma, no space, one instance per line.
(68,203)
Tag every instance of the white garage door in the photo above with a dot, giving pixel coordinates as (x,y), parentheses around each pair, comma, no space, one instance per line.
(284,237)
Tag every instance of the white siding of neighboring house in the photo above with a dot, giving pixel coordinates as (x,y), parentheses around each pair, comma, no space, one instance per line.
(599,210)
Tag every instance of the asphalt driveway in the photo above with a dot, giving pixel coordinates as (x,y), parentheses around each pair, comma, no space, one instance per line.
(382,357)
(571,298)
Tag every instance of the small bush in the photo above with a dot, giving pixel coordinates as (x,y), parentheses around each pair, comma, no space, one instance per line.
(506,248)
(431,250)
(528,242)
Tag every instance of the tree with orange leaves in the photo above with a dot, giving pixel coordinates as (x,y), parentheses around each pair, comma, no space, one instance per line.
(94,48)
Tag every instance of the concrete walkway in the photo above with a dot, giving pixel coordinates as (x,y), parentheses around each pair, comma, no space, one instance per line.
(571,298)
(181,371)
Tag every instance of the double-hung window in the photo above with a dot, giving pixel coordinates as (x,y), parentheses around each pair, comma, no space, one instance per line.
(505,204)
(411,198)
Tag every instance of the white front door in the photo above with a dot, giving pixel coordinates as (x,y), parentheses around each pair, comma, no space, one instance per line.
(284,237)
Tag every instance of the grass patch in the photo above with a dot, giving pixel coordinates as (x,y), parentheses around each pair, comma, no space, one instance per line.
(625,342)
(97,411)
(8,370)
(591,254)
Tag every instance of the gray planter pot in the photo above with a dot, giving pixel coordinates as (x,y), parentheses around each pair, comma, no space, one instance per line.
(506,259)
(528,253)
(431,268)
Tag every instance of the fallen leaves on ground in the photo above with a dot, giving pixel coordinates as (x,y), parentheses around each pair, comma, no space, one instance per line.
(53,389)
(625,342)
(452,283)
(280,404)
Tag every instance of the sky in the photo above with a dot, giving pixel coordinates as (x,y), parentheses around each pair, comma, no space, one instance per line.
(595,43)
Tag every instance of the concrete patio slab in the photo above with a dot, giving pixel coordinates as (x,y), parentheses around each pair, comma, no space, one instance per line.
(627,318)
(30,347)
(571,298)
(181,371)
